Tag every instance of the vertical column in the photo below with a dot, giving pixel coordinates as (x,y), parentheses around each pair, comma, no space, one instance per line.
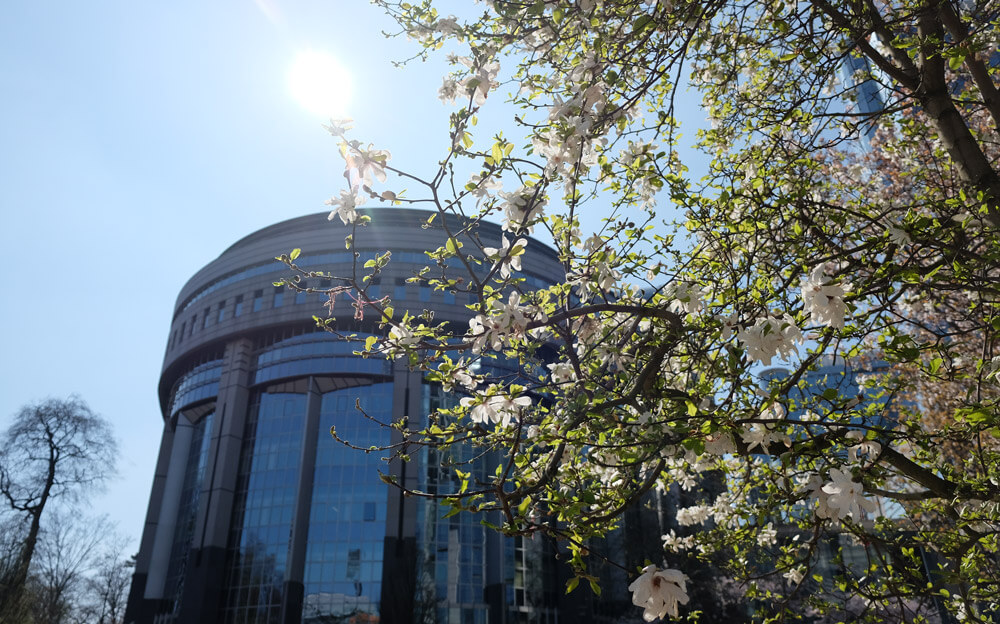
(138,609)
(294,589)
(206,569)
(174,484)
(399,559)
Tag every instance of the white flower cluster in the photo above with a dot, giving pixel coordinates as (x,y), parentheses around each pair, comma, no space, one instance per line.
(522,209)
(824,300)
(478,84)
(495,408)
(362,167)
(771,336)
(505,321)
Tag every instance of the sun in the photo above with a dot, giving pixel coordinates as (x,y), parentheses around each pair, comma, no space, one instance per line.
(320,84)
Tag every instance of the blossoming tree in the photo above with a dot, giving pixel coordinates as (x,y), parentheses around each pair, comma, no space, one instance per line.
(824,231)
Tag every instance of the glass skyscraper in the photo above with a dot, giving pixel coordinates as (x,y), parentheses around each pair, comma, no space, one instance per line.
(257,515)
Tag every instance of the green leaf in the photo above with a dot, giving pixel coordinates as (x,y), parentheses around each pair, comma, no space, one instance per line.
(936,365)
(641,23)
(595,587)
(295,253)
(370,342)
(572,584)
(956,61)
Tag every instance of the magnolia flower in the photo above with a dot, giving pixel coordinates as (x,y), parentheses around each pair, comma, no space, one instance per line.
(845,496)
(659,592)
(345,206)
(696,514)
(369,163)
(481,186)
(795,575)
(561,372)
(771,336)
(496,409)
(675,543)
(768,535)
(823,300)
(448,92)
(686,297)
(522,208)
(507,256)
(481,81)
(403,336)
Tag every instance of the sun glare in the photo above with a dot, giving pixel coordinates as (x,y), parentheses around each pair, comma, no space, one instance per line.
(320,84)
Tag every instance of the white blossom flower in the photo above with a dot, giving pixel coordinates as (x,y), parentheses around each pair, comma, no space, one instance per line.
(446,25)
(498,408)
(480,186)
(696,514)
(522,208)
(823,300)
(369,163)
(795,575)
(845,497)
(344,206)
(771,336)
(687,297)
(482,80)
(674,543)
(561,372)
(448,92)
(659,592)
(507,255)
(768,535)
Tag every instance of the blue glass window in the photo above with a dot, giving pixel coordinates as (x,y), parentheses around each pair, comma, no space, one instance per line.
(450,551)
(258,300)
(343,573)
(262,513)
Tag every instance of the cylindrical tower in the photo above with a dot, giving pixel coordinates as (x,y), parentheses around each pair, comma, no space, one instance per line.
(256,513)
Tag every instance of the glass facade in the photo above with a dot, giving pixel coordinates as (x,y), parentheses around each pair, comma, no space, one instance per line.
(316,353)
(347,518)
(245,548)
(201,382)
(451,552)
(265,502)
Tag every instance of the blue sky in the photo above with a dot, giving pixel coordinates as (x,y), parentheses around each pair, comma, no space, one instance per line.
(139,140)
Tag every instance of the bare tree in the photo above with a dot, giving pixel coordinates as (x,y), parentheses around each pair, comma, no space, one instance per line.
(68,550)
(54,449)
(108,585)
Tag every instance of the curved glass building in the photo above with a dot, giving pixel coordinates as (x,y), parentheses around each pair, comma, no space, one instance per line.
(256,513)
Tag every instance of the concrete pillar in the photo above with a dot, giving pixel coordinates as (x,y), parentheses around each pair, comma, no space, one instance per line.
(294,588)
(204,577)
(399,560)
(137,608)
(173,485)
